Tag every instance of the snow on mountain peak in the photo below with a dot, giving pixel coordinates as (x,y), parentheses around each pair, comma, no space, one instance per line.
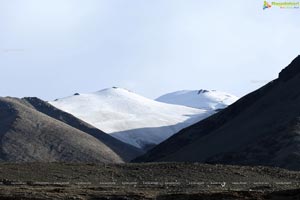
(203,99)
(130,117)
(114,89)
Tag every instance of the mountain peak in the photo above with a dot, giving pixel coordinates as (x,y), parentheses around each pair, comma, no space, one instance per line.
(114,89)
(291,70)
(203,99)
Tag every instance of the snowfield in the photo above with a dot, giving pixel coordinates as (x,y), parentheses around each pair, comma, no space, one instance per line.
(129,117)
(203,99)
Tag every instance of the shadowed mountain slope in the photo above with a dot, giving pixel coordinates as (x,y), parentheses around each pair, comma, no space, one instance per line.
(262,128)
(27,135)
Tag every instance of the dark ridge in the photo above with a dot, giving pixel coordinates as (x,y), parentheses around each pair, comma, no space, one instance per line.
(291,70)
(262,128)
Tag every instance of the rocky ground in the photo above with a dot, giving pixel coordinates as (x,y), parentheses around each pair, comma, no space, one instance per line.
(145,181)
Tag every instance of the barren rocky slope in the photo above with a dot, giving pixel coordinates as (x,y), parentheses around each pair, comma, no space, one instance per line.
(27,135)
(126,151)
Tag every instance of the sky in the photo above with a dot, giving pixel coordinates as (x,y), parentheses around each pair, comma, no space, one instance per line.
(55,48)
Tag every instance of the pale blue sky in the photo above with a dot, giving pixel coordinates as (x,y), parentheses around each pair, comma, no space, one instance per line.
(54,48)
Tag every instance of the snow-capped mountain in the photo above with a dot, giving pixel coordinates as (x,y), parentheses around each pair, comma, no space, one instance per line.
(203,99)
(129,117)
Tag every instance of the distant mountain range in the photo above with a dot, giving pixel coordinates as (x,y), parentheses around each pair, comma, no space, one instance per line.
(115,125)
(71,129)
(131,118)
(262,128)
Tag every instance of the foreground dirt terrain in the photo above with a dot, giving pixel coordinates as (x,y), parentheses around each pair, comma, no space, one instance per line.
(145,181)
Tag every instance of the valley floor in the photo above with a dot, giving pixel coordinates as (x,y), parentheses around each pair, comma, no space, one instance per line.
(145,181)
